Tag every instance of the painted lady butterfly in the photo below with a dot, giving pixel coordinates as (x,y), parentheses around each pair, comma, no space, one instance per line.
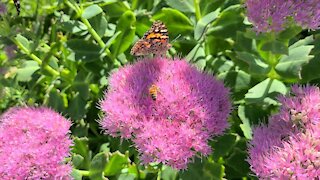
(155,41)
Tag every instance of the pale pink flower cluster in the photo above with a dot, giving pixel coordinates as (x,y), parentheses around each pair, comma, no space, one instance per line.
(289,147)
(33,144)
(274,15)
(190,108)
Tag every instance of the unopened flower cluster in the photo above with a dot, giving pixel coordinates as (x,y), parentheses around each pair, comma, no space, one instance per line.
(33,144)
(189,108)
(275,15)
(289,146)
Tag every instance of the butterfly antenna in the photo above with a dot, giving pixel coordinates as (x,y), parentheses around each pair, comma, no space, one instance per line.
(175,38)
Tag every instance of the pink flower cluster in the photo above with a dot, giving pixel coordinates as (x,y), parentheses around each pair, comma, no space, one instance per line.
(273,15)
(33,144)
(289,147)
(190,107)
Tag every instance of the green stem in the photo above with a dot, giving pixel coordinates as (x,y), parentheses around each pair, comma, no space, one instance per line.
(83,172)
(159,172)
(93,33)
(197,9)
(74,7)
(37,59)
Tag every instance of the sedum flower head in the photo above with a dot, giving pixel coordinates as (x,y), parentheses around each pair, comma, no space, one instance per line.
(3,8)
(10,51)
(33,144)
(273,15)
(190,107)
(289,147)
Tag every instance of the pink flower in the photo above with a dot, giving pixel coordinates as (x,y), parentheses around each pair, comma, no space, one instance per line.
(190,108)
(33,144)
(3,8)
(289,147)
(10,51)
(273,15)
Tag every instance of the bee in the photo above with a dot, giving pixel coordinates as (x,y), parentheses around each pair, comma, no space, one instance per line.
(17,5)
(153,91)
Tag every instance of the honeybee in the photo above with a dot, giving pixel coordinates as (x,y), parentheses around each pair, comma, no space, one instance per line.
(153,91)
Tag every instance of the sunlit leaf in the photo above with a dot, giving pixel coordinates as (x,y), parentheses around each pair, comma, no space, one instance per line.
(91,11)
(82,50)
(97,166)
(266,92)
(25,72)
(126,27)
(176,21)
(182,5)
(203,23)
(290,65)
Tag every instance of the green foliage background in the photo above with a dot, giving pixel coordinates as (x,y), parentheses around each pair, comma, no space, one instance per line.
(67,49)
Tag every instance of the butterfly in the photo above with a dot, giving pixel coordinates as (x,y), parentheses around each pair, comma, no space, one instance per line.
(154,41)
(17,5)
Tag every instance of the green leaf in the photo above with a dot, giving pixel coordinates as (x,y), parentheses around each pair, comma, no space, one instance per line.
(56,100)
(116,9)
(223,145)
(105,148)
(256,65)
(244,43)
(126,177)
(77,160)
(169,173)
(176,21)
(290,66)
(203,23)
(237,80)
(196,53)
(311,70)
(81,148)
(203,169)
(208,6)
(25,73)
(91,11)
(126,26)
(77,107)
(76,174)
(74,27)
(246,125)
(237,162)
(220,64)
(182,5)
(289,33)
(5,29)
(110,42)
(266,92)
(198,57)
(229,22)
(116,163)
(100,24)
(215,45)
(276,47)
(97,166)
(24,41)
(82,88)
(82,50)
(134,170)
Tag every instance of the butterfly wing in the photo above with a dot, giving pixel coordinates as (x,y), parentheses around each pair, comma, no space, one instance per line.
(154,41)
